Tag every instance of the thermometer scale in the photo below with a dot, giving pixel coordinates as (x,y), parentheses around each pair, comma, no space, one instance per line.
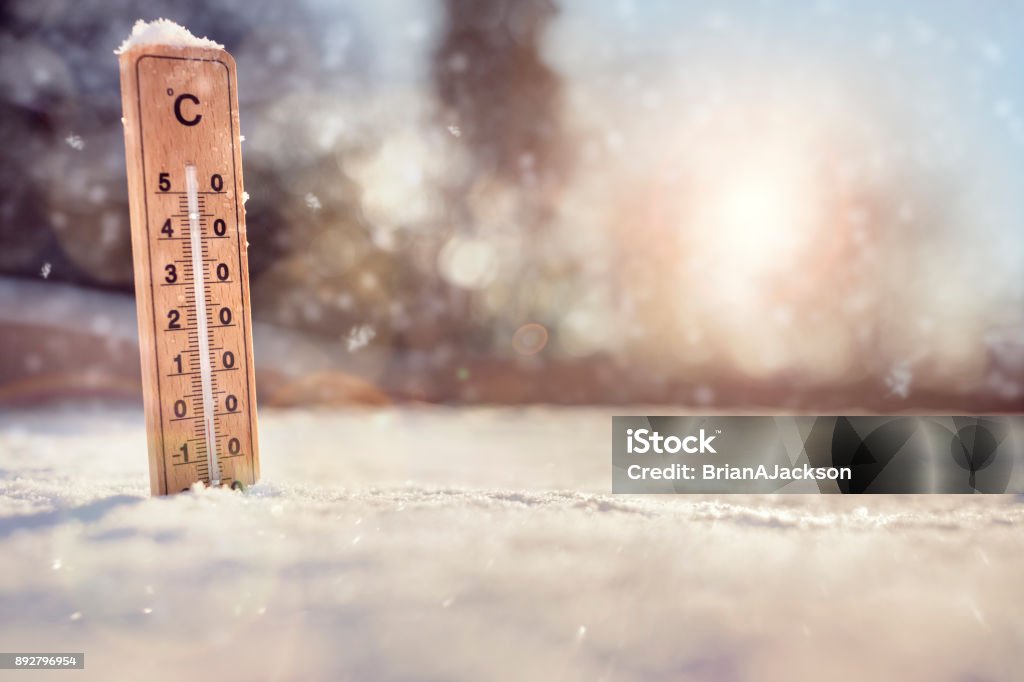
(191,269)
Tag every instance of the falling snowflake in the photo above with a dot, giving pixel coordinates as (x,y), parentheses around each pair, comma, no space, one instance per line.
(456,131)
(898,380)
(313,201)
(359,336)
(45,270)
(75,142)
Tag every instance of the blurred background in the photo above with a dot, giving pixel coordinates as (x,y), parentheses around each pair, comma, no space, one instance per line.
(797,205)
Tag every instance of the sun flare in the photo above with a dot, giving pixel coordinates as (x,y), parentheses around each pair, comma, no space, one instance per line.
(760,217)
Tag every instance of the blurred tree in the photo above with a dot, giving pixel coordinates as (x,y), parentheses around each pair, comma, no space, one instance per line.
(498,95)
(494,86)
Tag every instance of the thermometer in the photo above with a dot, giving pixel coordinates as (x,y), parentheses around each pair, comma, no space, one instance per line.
(191,269)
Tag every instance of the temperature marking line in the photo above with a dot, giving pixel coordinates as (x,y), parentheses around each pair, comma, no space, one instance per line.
(187,374)
(195,232)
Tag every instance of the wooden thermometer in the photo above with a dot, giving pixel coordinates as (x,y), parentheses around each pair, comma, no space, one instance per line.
(191,270)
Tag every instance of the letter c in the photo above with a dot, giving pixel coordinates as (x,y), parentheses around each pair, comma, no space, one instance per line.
(177,110)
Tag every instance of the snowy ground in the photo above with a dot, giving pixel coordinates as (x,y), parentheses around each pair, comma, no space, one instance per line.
(481,545)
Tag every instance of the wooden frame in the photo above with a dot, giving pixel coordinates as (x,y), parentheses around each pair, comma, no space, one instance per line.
(184,167)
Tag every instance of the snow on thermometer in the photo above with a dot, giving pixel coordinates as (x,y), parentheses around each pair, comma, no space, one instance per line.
(189,248)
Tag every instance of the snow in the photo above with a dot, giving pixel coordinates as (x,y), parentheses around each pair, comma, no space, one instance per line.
(481,544)
(898,380)
(359,336)
(163,32)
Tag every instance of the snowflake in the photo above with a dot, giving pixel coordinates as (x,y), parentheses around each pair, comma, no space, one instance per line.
(898,380)
(359,336)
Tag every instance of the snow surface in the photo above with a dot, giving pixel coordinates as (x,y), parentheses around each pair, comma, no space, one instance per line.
(163,32)
(434,544)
